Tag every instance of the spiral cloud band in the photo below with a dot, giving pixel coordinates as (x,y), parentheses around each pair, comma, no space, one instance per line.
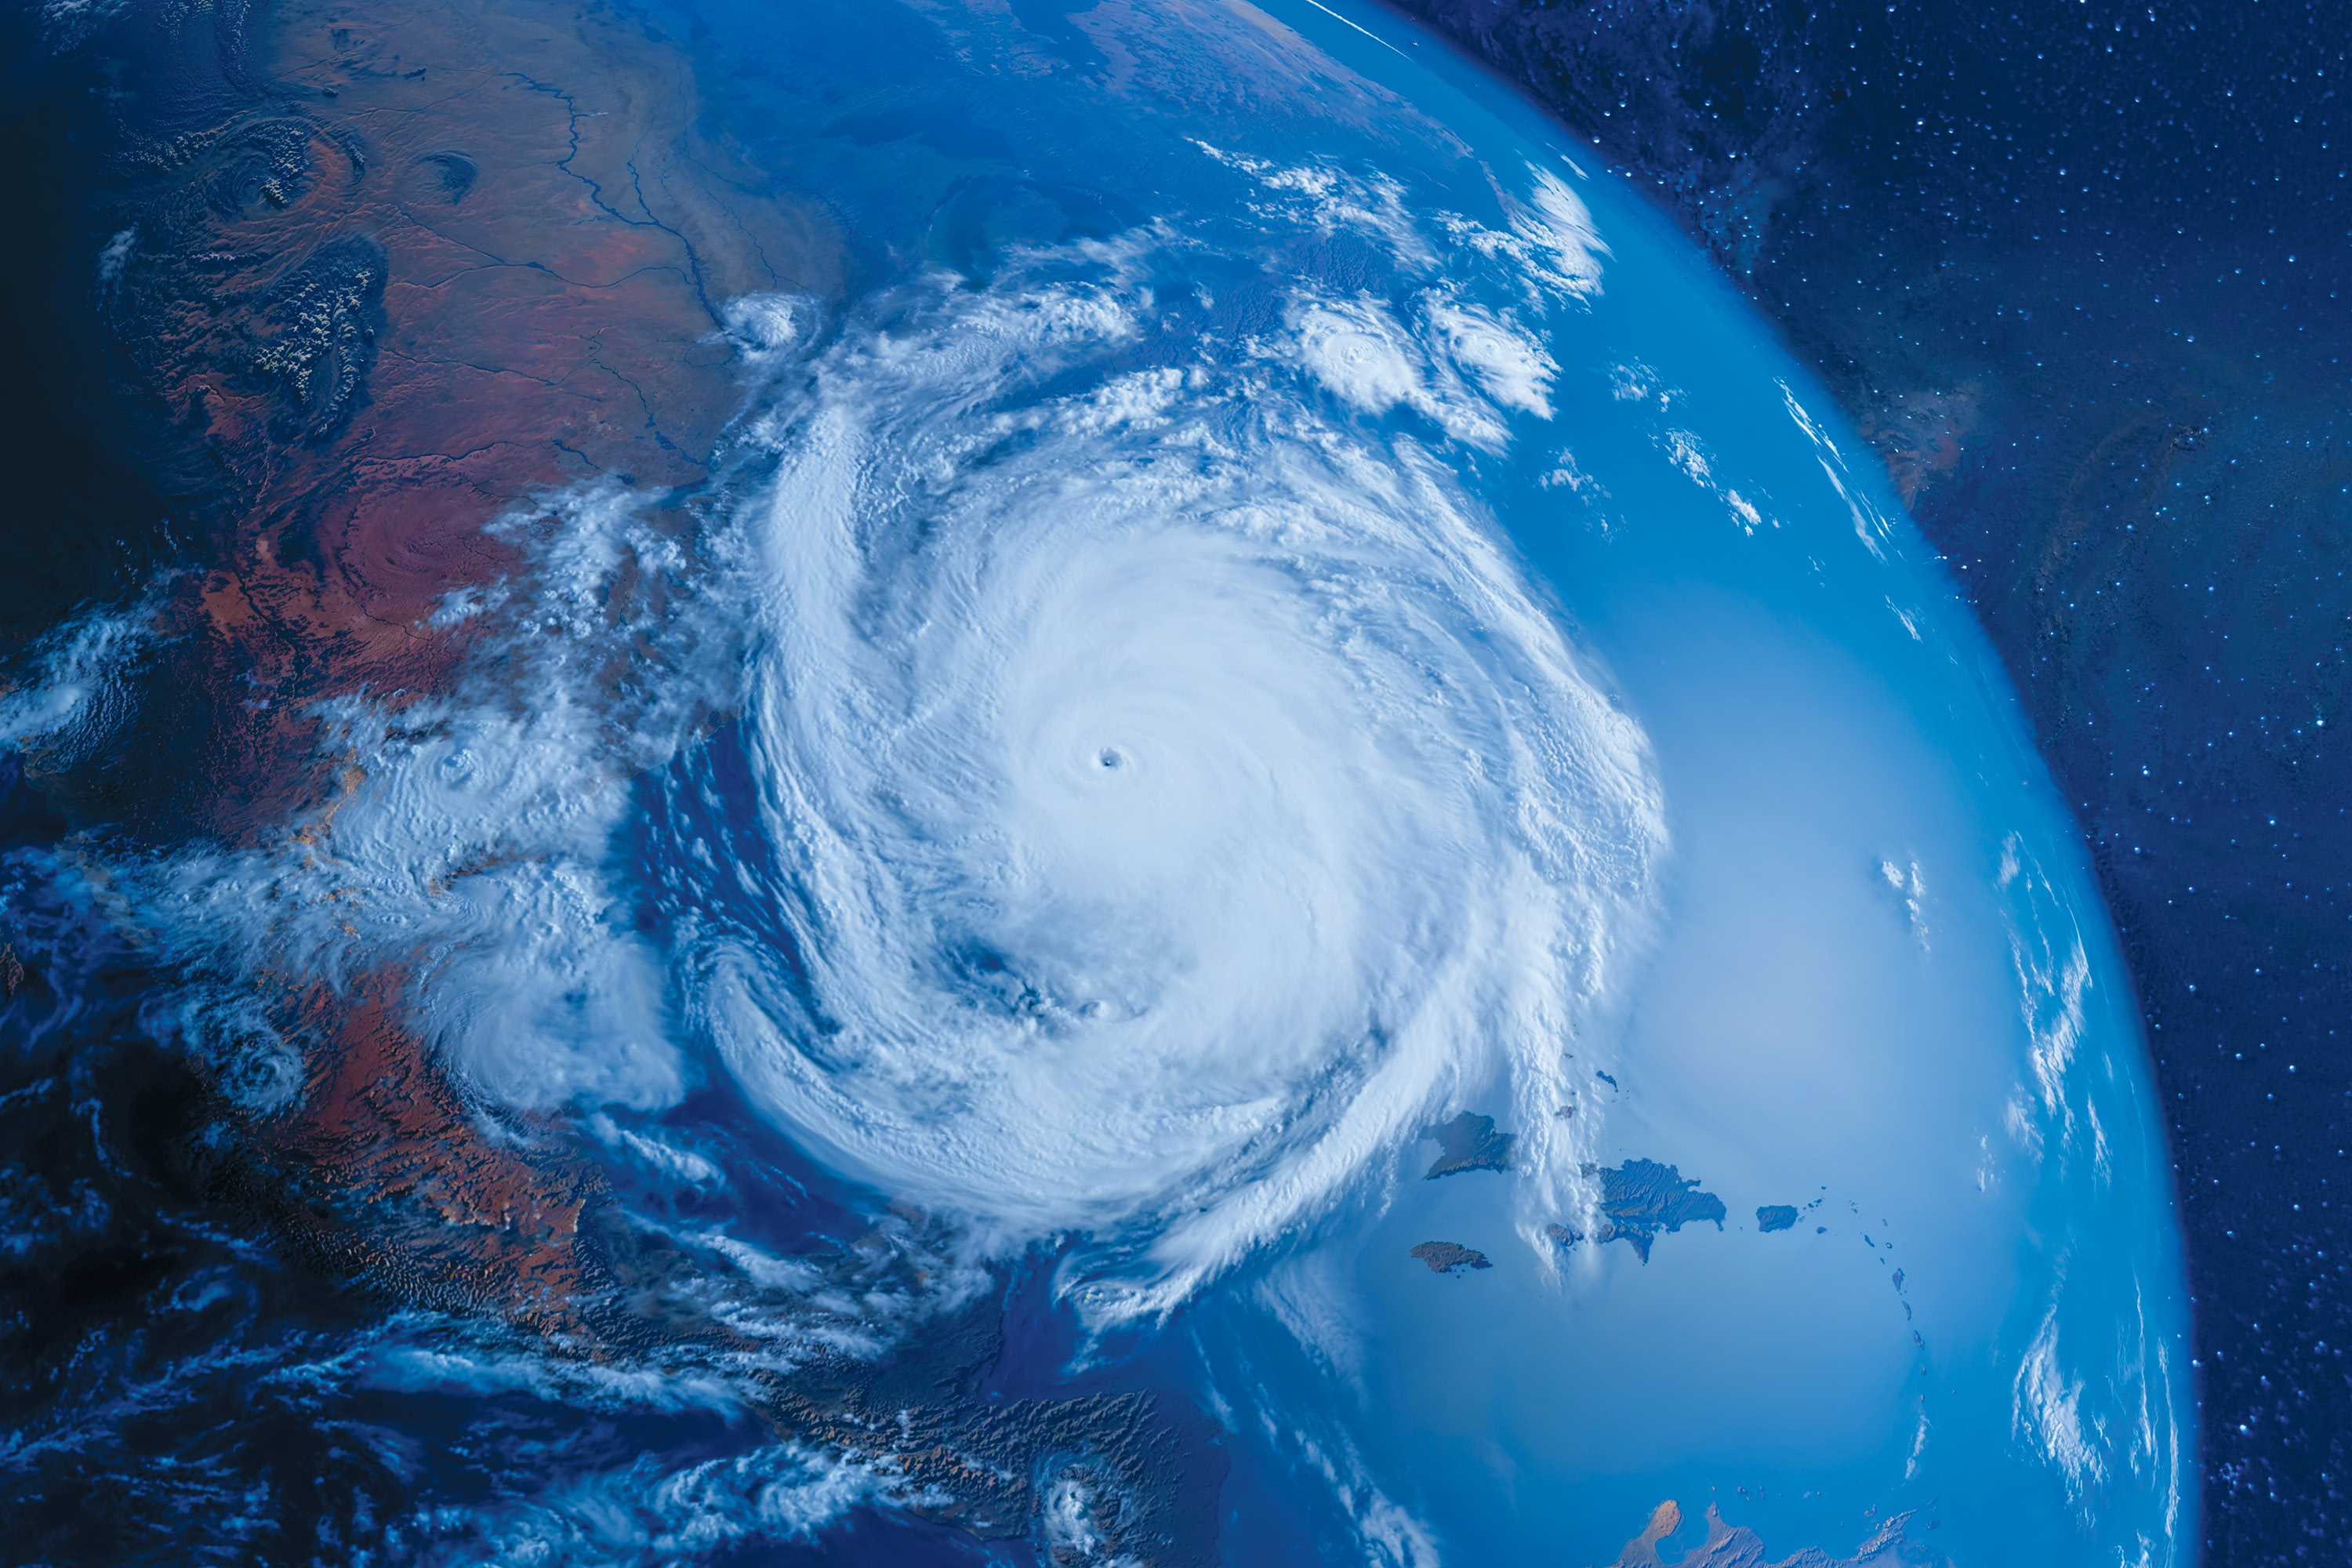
(1166,794)
(1175,792)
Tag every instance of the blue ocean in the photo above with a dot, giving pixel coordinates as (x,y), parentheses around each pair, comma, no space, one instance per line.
(1293,861)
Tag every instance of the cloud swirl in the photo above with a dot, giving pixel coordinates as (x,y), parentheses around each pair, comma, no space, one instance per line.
(1175,792)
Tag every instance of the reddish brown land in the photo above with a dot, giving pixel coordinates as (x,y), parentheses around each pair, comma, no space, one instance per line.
(449,258)
(475,253)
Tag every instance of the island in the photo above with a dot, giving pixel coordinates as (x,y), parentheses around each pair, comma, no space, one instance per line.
(1775,1217)
(1450,1257)
(1469,1142)
(1729,1545)
(1642,1199)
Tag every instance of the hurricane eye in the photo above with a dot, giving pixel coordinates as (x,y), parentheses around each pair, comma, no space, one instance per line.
(1111,758)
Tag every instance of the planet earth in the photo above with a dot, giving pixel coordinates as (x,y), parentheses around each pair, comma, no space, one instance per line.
(947,783)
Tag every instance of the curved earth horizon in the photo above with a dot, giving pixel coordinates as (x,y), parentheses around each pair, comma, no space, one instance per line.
(934,784)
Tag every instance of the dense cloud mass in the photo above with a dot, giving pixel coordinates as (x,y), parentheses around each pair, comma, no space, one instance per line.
(2076,270)
(1171,792)
(1173,789)
(866,712)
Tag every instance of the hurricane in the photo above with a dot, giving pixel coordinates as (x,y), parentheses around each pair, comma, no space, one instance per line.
(945,783)
(1173,794)
(1167,793)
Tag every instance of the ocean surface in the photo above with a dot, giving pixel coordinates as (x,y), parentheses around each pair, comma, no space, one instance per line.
(861,968)
(2076,272)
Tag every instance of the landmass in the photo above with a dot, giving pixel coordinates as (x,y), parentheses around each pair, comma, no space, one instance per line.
(383,1173)
(402,292)
(1469,1142)
(397,273)
(1775,1217)
(1737,1546)
(1640,1200)
(2048,467)
(1450,1257)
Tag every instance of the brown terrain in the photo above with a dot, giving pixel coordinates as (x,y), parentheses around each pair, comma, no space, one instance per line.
(400,1180)
(1735,1546)
(448,258)
(384,1170)
(473,252)
(456,257)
